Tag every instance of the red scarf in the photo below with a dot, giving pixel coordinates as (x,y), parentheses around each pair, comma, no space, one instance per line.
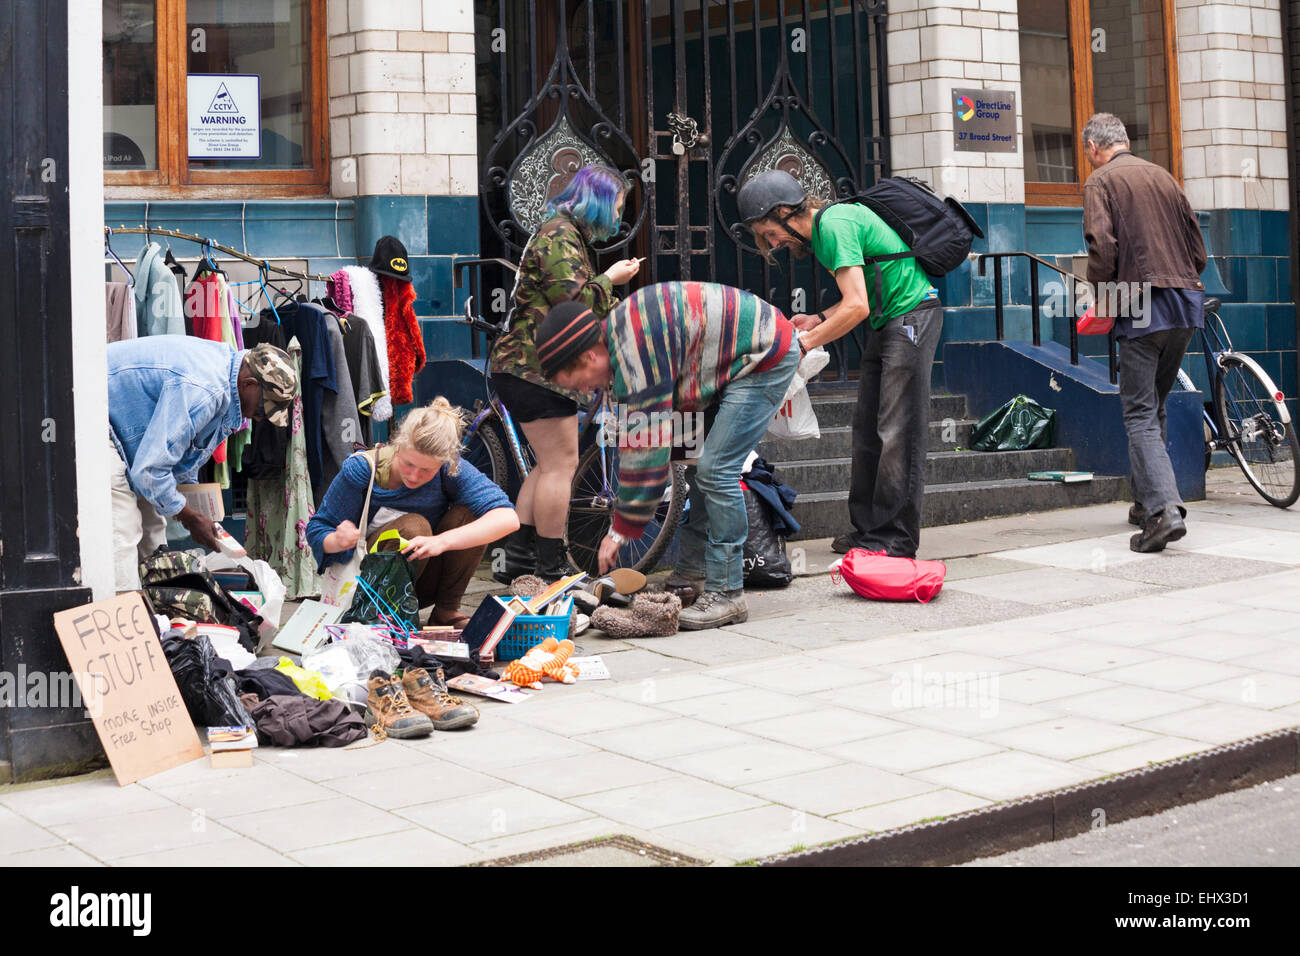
(405,343)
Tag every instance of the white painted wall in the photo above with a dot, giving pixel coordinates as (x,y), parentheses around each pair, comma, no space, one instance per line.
(85,182)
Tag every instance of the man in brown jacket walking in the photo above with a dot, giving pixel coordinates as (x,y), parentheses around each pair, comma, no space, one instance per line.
(1145,257)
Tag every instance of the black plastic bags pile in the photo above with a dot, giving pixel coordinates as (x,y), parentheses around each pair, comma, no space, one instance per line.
(206,682)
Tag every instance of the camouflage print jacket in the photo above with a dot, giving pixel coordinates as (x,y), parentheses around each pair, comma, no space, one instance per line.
(556,267)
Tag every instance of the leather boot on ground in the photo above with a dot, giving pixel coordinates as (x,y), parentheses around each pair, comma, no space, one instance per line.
(552,561)
(428,694)
(843,543)
(520,554)
(1159,530)
(1137,515)
(686,586)
(387,706)
(714,609)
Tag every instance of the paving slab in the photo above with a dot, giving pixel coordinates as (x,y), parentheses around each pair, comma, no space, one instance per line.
(748,834)
(1006,775)
(494,813)
(935,805)
(736,766)
(663,803)
(838,789)
(669,738)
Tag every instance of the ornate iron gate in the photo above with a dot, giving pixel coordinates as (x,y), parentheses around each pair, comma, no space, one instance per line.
(689,99)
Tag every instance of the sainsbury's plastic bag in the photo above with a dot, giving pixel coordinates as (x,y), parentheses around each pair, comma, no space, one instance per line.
(765,561)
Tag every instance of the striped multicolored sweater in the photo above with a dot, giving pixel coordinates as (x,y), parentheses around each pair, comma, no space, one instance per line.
(674,347)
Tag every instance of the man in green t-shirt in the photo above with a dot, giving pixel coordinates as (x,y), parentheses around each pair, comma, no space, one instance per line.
(891,421)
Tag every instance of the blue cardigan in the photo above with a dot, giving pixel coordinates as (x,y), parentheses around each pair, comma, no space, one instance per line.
(347,494)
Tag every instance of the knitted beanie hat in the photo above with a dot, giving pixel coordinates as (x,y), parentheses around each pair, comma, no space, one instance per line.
(568,330)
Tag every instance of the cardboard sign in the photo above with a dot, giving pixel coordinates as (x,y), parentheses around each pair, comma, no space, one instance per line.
(127,687)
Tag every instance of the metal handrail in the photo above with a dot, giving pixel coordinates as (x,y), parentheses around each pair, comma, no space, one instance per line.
(980,259)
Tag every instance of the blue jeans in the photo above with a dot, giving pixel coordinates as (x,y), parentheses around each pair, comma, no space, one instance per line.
(715,529)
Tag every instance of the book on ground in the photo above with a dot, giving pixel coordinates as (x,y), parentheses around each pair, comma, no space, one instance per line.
(486,687)
(231,738)
(553,591)
(1069,477)
(305,631)
(489,624)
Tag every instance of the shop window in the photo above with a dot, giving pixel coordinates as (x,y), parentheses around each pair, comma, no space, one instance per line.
(215,97)
(1078,58)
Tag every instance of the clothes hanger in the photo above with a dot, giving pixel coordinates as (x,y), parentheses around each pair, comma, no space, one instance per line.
(261,280)
(108,252)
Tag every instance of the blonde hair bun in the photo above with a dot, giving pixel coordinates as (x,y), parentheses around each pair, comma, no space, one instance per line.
(434,430)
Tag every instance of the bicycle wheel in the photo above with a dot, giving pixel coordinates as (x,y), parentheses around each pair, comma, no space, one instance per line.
(1266,448)
(483,450)
(591,512)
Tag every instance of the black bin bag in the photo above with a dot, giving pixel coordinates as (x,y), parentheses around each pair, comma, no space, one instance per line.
(206,683)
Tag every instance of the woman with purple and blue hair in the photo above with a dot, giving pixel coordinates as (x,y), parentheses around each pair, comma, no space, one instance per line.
(556,266)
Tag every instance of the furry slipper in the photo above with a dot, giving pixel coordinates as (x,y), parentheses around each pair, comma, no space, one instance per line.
(651,615)
(527,585)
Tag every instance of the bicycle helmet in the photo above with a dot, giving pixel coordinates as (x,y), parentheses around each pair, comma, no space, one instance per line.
(758,197)
(766,191)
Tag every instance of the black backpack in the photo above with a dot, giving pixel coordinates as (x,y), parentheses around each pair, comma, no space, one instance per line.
(939,232)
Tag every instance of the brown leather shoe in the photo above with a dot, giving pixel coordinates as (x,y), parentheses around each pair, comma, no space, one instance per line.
(428,694)
(387,706)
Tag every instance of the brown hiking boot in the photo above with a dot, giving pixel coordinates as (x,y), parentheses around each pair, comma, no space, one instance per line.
(387,706)
(428,694)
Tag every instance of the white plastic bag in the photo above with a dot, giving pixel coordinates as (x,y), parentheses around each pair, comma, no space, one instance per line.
(795,419)
(810,366)
(267,581)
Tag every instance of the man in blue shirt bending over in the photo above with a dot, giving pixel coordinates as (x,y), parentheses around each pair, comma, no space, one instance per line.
(172,399)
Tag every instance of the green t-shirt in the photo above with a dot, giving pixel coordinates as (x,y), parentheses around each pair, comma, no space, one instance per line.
(846,234)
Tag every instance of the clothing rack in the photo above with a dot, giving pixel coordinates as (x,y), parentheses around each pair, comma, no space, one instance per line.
(262,264)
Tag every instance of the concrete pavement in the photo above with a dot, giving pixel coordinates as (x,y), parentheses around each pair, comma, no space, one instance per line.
(1054,656)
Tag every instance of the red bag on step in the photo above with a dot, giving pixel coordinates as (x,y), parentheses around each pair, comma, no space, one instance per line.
(875,575)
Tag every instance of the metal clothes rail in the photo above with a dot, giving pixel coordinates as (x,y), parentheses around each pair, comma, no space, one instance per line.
(262,264)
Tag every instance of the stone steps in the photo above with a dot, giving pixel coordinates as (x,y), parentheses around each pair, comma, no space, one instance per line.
(961,485)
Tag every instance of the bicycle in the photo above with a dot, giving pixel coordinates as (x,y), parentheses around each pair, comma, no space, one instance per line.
(591,500)
(1250,419)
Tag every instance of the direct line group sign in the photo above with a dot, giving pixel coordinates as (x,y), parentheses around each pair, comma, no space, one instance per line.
(225,115)
(984,121)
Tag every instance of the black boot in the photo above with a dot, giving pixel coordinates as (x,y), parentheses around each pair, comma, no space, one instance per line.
(552,562)
(520,556)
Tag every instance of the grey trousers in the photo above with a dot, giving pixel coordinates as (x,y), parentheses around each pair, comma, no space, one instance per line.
(1148,368)
(891,432)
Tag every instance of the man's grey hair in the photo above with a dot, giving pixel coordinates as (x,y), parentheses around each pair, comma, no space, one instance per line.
(1105,129)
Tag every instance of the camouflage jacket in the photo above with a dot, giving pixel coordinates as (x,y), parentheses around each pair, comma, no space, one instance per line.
(556,267)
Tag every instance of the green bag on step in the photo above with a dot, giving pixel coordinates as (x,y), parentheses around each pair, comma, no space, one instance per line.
(1019,424)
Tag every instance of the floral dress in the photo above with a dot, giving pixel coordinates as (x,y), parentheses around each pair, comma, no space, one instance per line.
(279,509)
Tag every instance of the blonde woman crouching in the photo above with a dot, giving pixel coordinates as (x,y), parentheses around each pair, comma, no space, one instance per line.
(447,511)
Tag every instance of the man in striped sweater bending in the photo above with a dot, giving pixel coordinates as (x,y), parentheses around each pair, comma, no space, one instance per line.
(681,347)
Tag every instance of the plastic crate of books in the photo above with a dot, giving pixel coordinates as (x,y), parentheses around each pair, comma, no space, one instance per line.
(529,630)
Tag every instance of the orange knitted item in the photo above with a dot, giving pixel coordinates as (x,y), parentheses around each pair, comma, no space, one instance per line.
(405,341)
(547,659)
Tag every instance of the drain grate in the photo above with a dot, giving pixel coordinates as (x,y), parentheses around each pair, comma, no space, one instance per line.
(602,851)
